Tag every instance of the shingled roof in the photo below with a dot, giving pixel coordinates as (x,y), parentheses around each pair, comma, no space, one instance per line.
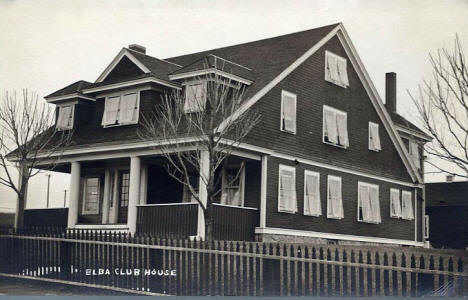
(403,122)
(73,88)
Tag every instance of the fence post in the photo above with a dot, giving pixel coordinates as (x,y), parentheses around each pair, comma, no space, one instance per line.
(65,259)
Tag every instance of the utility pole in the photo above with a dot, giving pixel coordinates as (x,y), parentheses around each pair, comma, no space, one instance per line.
(48,188)
(64,197)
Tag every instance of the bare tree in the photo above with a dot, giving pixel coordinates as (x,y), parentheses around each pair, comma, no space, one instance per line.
(442,103)
(28,139)
(198,122)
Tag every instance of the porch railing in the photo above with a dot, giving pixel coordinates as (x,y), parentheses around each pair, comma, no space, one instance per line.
(46,217)
(176,220)
(234,223)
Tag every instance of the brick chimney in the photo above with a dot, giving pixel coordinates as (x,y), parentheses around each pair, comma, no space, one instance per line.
(390,92)
(449,178)
(138,48)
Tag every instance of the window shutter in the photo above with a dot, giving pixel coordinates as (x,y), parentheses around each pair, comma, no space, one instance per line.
(312,204)
(342,129)
(365,202)
(343,74)
(414,153)
(289,112)
(65,117)
(395,206)
(335,205)
(287,191)
(333,65)
(128,109)
(330,126)
(375,204)
(195,99)
(374,138)
(407,206)
(111,109)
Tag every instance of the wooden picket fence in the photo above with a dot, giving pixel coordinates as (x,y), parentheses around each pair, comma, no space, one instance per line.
(185,267)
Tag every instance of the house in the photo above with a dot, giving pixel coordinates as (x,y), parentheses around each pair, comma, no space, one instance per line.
(447,214)
(326,164)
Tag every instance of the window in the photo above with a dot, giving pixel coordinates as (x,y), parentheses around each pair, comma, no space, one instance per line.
(374,138)
(233,186)
(335,69)
(414,153)
(312,206)
(91,189)
(335,127)
(195,97)
(395,203)
(368,203)
(334,198)
(124,188)
(65,117)
(288,112)
(287,189)
(121,109)
(406,206)
(426,226)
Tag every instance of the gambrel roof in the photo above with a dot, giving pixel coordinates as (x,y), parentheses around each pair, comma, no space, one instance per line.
(264,63)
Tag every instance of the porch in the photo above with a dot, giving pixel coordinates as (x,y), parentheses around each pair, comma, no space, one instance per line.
(137,195)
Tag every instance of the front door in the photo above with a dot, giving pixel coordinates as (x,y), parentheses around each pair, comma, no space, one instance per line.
(124,185)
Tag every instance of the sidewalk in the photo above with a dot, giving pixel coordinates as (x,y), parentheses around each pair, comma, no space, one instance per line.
(27,287)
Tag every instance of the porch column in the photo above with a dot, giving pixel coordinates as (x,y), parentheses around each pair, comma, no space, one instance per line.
(134,192)
(74,194)
(144,183)
(204,169)
(105,198)
(263,191)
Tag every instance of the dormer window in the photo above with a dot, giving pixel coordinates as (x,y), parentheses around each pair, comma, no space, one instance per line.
(335,69)
(65,117)
(121,109)
(195,97)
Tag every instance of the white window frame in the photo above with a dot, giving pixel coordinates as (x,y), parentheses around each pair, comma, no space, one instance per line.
(412,206)
(288,94)
(329,178)
(120,95)
(186,90)
(397,216)
(317,176)
(426,226)
(328,76)
(84,211)
(241,183)
(369,186)
(336,111)
(371,142)
(72,117)
(293,170)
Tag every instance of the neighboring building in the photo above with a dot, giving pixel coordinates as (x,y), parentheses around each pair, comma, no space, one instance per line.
(325,164)
(447,211)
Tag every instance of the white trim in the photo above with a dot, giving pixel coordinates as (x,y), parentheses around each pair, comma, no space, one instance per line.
(209,71)
(101,226)
(151,79)
(412,132)
(317,175)
(34,208)
(338,178)
(235,206)
(415,213)
(67,97)
(279,78)
(426,227)
(167,204)
(122,53)
(294,96)
(337,112)
(335,236)
(378,103)
(368,185)
(263,190)
(293,170)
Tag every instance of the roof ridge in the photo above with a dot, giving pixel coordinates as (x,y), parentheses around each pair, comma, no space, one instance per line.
(255,41)
(153,57)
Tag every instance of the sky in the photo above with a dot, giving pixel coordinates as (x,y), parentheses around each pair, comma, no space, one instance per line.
(46,45)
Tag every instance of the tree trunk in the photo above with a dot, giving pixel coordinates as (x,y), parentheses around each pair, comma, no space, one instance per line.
(208,227)
(19,216)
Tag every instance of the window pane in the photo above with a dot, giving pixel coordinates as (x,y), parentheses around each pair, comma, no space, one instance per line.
(312,195)
(330,130)
(342,129)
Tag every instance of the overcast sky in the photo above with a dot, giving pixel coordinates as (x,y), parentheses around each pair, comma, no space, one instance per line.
(46,45)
